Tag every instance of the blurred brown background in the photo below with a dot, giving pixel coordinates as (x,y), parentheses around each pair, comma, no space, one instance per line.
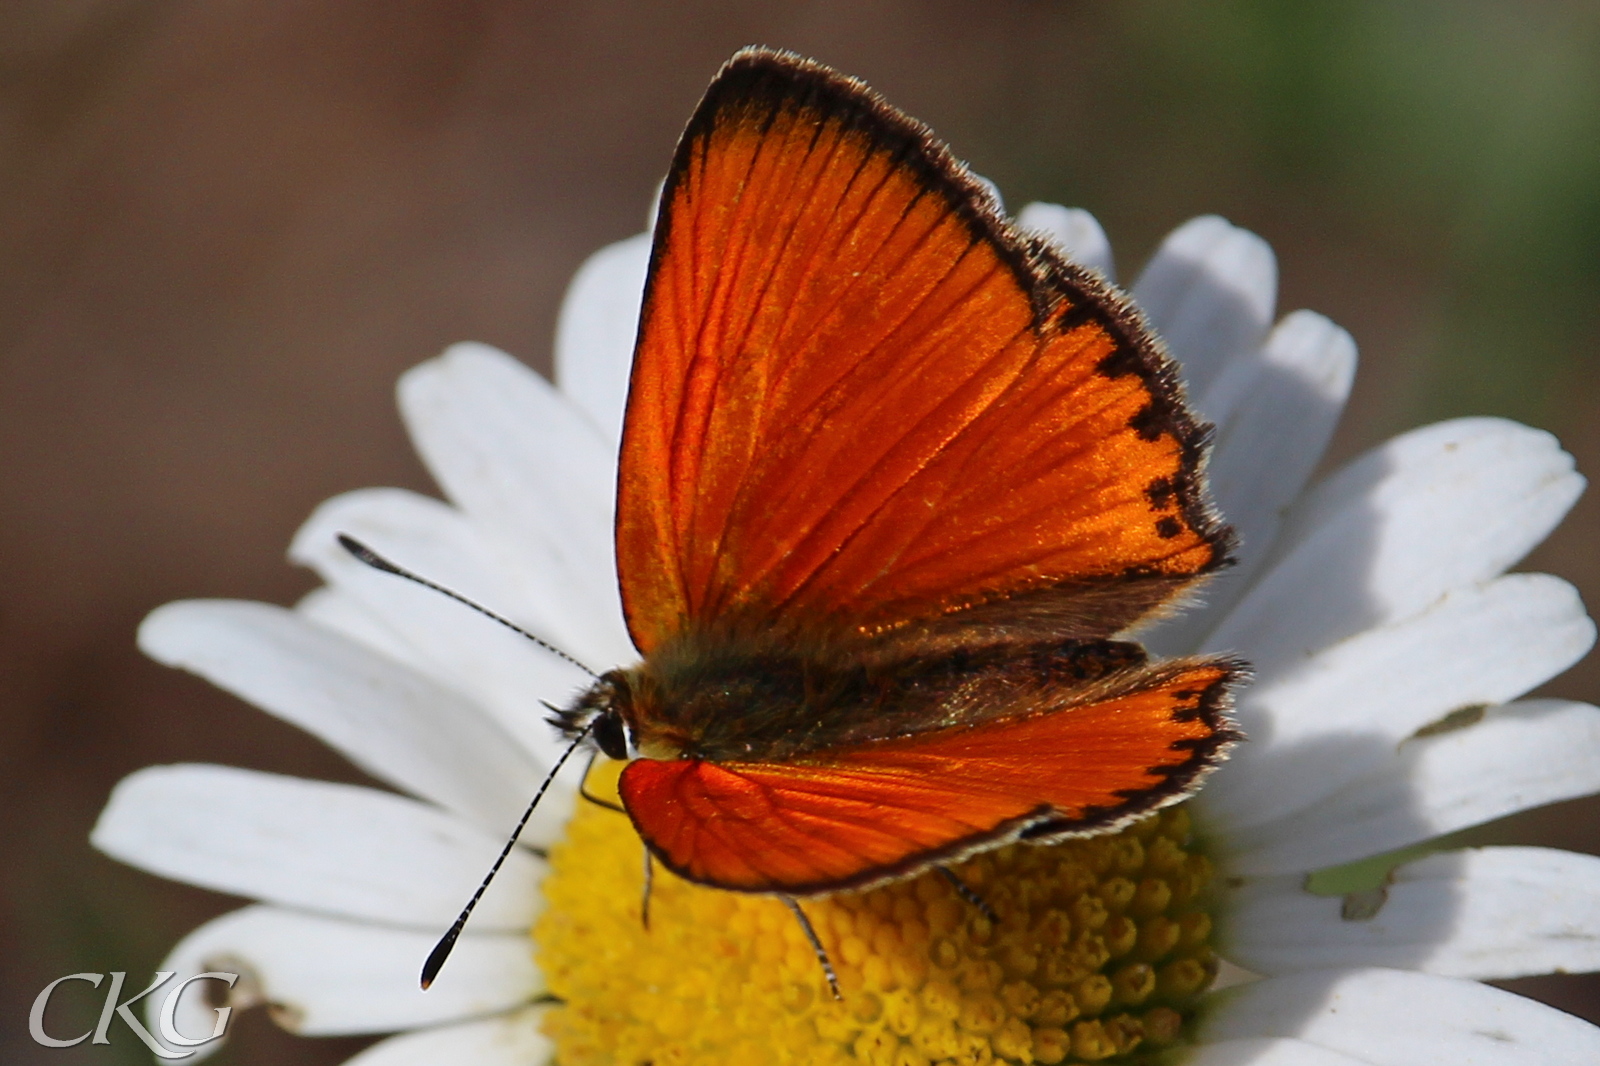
(226,227)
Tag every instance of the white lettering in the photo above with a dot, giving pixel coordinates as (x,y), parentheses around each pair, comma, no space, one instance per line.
(121,1010)
(42,1000)
(166,1020)
(169,1012)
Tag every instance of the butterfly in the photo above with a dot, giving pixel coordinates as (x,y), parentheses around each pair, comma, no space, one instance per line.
(894,477)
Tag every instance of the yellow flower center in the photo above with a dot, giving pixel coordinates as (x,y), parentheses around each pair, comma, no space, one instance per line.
(1101,950)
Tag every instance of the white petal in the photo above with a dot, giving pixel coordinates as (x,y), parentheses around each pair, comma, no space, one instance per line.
(1266,1052)
(336,849)
(341,612)
(389,720)
(1074,231)
(510,1039)
(536,478)
(1520,755)
(1435,509)
(1275,411)
(1209,291)
(1393,1018)
(504,671)
(337,610)
(653,211)
(1482,913)
(328,977)
(1274,416)
(1342,713)
(596,333)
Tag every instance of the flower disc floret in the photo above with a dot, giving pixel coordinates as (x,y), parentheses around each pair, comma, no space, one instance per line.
(1101,950)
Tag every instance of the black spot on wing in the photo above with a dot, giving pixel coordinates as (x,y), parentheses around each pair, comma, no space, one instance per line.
(1149,422)
(1120,363)
(1160,492)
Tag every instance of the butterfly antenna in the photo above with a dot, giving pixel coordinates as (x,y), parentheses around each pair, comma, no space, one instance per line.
(378,562)
(441,950)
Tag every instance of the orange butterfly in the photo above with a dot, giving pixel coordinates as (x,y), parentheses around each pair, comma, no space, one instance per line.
(892,477)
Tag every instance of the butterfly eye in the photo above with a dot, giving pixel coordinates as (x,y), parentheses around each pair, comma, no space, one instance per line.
(611,734)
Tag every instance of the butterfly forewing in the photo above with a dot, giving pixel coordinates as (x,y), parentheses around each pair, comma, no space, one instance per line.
(891,476)
(859,400)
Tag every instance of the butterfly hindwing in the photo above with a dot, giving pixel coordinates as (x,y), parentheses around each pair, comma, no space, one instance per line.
(856,816)
(861,401)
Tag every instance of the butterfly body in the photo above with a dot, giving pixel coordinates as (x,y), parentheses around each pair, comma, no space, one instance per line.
(895,479)
(778,704)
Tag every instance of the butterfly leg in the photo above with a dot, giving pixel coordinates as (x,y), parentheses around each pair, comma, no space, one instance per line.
(816,944)
(583,790)
(967,894)
(649,879)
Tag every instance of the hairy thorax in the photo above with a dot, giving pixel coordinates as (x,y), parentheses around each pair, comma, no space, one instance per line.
(733,700)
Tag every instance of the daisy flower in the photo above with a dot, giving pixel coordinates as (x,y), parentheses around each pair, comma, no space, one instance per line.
(1390,648)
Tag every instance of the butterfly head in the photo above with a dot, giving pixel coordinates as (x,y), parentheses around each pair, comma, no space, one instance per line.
(616,710)
(605,710)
